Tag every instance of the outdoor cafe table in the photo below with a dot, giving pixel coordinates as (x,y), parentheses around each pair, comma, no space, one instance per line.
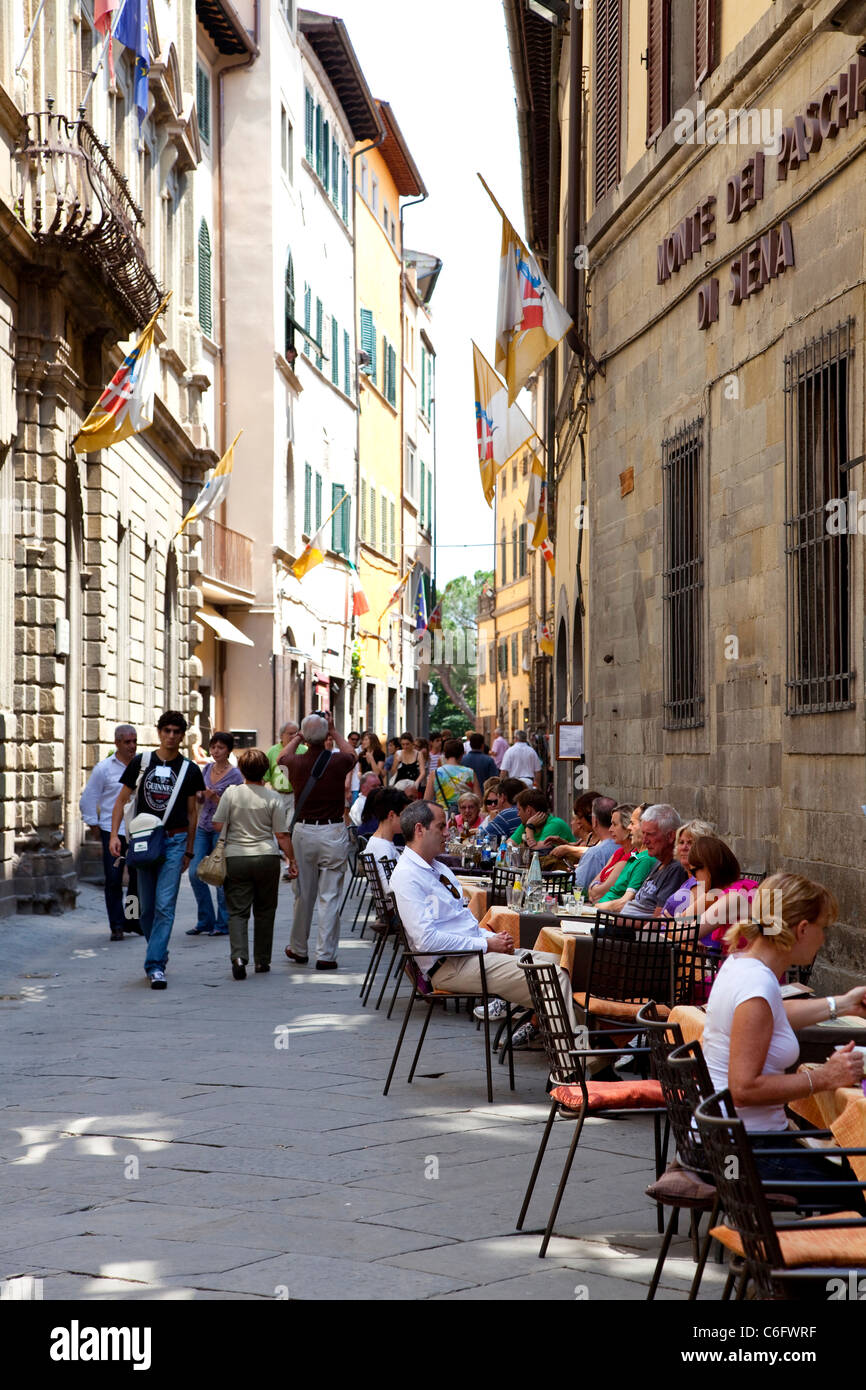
(816,1042)
(844,1113)
(542,931)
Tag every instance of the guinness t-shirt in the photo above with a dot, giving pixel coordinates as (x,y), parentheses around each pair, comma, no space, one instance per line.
(157,785)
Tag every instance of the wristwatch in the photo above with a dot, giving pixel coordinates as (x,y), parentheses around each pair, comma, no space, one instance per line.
(833,1010)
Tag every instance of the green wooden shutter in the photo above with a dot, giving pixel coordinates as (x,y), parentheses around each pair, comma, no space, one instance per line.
(289,330)
(309,125)
(345,192)
(325,173)
(318,501)
(423,381)
(423,491)
(347,364)
(373,346)
(335,172)
(320,318)
(335,352)
(202,102)
(319,128)
(205,308)
(368,339)
(347,517)
(308,499)
(308,311)
(337,527)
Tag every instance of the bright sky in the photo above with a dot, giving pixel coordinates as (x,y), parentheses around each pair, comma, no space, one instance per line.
(444,68)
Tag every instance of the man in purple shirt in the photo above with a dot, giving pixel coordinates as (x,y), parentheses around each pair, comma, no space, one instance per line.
(500,747)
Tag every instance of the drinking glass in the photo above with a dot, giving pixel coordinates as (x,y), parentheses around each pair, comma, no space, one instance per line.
(514,897)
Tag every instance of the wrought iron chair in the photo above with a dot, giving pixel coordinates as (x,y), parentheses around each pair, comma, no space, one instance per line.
(383,926)
(571,1089)
(425,989)
(355,879)
(774,1258)
(635,960)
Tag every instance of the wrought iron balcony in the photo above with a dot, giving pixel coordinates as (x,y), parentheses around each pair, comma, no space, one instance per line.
(70,194)
(226,556)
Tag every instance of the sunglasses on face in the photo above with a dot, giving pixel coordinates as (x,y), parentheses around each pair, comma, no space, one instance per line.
(491,801)
(455,892)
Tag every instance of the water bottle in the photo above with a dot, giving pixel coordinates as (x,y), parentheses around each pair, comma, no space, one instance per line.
(534,884)
(502,853)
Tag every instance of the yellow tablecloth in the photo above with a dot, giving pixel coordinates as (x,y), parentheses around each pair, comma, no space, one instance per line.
(498,919)
(691,1020)
(558,943)
(844,1113)
(477,901)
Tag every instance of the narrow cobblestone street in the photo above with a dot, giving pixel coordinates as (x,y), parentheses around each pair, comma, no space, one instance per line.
(171,1146)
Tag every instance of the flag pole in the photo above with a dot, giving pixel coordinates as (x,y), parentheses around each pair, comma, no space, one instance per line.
(502,213)
(36,20)
(109,36)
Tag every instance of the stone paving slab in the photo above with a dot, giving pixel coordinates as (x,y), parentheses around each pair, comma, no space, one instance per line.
(171,1146)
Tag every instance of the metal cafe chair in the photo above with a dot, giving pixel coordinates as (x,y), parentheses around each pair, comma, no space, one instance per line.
(572,1093)
(634,960)
(383,926)
(355,879)
(425,989)
(775,1258)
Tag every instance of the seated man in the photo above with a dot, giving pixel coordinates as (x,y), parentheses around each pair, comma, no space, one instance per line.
(385,806)
(358,814)
(538,828)
(437,920)
(506,817)
(659,825)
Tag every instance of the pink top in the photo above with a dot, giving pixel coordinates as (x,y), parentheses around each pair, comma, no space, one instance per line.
(742,885)
(499,749)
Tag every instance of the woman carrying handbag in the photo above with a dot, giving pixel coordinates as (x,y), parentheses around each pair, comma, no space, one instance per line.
(252,821)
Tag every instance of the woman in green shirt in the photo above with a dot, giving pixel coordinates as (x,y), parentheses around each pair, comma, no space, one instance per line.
(538,828)
(637,869)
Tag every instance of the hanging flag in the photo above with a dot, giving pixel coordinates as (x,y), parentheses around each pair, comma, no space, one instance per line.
(126,405)
(397,593)
(359,598)
(501,429)
(102,12)
(547,551)
(530,320)
(215,489)
(313,554)
(420,609)
(132,31)
(536,503)
(544,638)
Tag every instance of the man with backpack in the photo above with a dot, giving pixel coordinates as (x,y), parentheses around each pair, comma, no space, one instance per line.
(161,834)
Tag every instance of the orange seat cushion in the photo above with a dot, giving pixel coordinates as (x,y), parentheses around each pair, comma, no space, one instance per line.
(618,1008)
(612,1095)
(843,1246)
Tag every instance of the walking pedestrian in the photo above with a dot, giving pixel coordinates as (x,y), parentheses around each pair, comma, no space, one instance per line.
(96,804)
(254,818)
(218,775)
(165,787)
(319,836)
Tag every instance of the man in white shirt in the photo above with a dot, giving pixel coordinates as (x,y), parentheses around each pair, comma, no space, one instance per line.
(96,805)
(437,920)
(369,782)
(521,761)
(387,805)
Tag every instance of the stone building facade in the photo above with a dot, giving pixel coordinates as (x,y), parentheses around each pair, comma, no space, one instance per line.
(722,313)
(97,593)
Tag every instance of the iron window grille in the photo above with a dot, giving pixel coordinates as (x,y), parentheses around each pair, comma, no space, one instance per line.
(818,591)
(683,578)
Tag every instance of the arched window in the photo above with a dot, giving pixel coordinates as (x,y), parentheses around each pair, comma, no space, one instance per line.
(289,348)
(205,308)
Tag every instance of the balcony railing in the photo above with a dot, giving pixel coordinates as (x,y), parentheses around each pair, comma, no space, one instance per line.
(70,194)
(226,556)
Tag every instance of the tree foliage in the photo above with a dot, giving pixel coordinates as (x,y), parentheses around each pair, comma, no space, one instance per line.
(453,679)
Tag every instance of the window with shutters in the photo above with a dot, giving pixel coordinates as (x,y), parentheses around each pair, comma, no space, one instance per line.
(368,342)
(705,39)
(344,191)
(503,656)
(205,309)
(423,497)
(318,500)
(514,654)
(607,63)
(503,555)
(658,68)
(392,534)
(514,550)
(309,126)
(372,534)
(308,499)
(347,363)
(411,478)
(319,136)
(325,172)
(524,651)
(683,578)
(339,529)
(491,662)
(363,509)
(384,532)
(335,352)
(335,172)
(320,323)
(289,334)
(482,662)
(521,556)
(423,381)
(308,310)
(202,102)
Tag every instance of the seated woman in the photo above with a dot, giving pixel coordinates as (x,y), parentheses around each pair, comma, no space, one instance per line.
(750,1041)
(686,836)
(583,836)
(468,812)
(447,784)
(638,868)
(489,800)
(619,849)
(715,872)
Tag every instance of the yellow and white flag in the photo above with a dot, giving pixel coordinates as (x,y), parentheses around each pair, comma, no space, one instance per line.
(501,428)
(313,552)
(530,320)
(215,489)
(543,638)
(126,405)
(536,503)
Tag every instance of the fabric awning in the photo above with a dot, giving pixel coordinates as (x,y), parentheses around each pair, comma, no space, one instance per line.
(225,631)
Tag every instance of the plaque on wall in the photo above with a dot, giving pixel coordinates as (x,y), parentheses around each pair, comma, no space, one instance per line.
(569,741)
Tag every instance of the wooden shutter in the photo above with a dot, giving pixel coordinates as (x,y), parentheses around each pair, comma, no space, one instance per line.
(308,313)
(318,501)
(705,38)
(658,67)
(335,352)
(363,510)
(345,192)
(205,309)
(335,171)
(392,548)
(372,516)
(308,498)
(319,141)
(608,63)
(202,102)
(337,491)
(347,365)
(320,319)
(309,125)
(325,172)
(423,491)
(346,511)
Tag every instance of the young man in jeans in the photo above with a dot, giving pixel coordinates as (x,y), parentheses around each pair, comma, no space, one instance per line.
(158,884)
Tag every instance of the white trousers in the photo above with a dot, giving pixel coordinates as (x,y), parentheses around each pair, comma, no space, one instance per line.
(322,852)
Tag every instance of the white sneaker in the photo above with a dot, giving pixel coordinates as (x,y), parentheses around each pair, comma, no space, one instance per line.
(158,980)
(524,1035)
(496,1009)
